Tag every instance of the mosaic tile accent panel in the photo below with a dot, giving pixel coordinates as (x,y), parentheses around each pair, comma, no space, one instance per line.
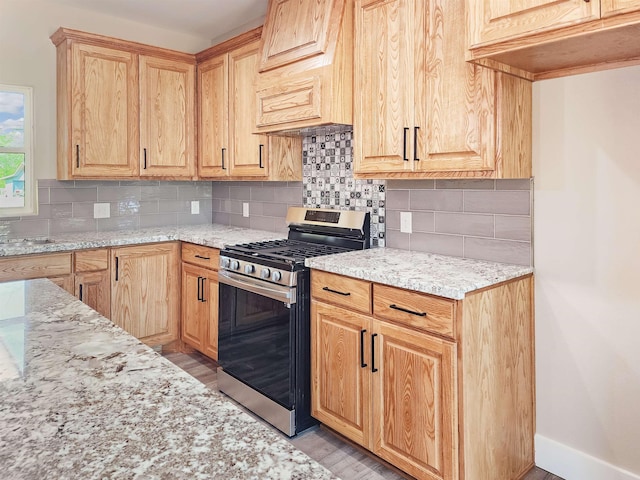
(328,181)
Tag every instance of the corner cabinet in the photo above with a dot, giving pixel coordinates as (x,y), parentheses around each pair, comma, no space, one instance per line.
(442,389)
(200,298)
(124,110)
(421,111)
(227,147)
(145,291)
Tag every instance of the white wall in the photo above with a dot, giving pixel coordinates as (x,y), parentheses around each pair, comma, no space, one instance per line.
(28,57)
(587,259)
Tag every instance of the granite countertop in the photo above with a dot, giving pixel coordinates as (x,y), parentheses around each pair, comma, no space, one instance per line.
(449,277)
(82,399)
(211,235)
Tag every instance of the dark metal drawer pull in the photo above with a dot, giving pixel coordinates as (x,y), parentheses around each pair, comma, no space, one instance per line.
(203,258)
(415,144)
(327,289)
(362,364)
(203,300)
(80,296)
(223,150)
(419,314)
(199,289)
(373,353)
(404,144)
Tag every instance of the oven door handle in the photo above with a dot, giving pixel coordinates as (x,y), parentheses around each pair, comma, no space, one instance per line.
(283,294)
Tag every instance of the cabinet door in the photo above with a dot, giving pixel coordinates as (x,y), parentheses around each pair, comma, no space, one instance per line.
(94,289)
(384,68)
(210,298)
(145,291)
(340,380)
(493,20)
(104,118)
(295,30)
(167,116)
(248,151)
(213,117)
(64,281)
(456,120)
(414,398)
(194,310)
(609,8)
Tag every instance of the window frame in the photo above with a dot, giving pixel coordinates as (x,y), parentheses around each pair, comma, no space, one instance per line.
(30,187)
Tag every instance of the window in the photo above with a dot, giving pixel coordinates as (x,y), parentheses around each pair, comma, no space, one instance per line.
(17,186)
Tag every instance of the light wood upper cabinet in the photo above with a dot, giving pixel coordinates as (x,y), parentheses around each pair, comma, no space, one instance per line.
(538,39)
(145,291)
(167,117)
(124,109)
(295,30)
(227,146)
(305,66)
(497,19)
(421,110)
(97,112)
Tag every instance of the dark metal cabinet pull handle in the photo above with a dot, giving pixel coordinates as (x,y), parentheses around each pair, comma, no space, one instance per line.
(373,353)
(223,150)
(344,294)
(117,269)
(362,364)
(80,292)
(260,150)
(77,156)
(203,258)
(415,144)
(203,299)
(404,145)
(145,158)
(419,314)
(199,289)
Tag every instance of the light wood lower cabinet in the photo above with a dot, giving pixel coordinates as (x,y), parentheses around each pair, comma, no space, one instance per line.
(57,267)
(446,406)
(145,291)
(92,283)
(200,298)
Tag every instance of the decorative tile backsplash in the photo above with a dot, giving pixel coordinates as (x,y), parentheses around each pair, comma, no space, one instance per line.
(328,182)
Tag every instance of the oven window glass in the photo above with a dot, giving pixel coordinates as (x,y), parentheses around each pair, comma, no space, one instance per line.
(255,342)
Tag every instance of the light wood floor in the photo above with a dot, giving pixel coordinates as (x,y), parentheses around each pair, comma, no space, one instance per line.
(342,459)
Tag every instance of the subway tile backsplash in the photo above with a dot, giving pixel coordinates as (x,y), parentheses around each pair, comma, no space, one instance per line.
(68,206)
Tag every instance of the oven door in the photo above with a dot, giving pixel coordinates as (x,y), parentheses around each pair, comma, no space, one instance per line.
(256,335)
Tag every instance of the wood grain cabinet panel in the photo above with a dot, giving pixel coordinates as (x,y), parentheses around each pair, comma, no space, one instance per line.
(167,117)
(199,316)
(94,289)
(438,408)
(421,111)
(145,291)
(341,291)
(35,266)
(227,146)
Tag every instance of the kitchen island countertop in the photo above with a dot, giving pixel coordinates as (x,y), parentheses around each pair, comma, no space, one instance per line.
(81,398)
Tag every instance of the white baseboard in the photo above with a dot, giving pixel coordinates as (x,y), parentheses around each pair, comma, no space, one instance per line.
(572,464)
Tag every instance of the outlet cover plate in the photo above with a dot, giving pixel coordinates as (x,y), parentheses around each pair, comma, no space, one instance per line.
(101,210)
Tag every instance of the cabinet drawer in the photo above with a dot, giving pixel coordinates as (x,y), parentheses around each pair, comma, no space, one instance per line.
(35,266)
(289,101)
(344,291)
(414,309)
(199,255)
(92,260)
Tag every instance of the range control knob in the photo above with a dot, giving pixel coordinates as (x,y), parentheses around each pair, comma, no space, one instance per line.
(224,262)
(276,276)
(234,265)
(265,273)
(248,269)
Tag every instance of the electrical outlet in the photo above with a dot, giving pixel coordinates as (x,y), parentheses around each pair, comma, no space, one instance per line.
(245,209)
(101,210)
(405,222)
(195,207)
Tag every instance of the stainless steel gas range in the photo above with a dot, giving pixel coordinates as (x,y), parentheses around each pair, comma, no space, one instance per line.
(264,314)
